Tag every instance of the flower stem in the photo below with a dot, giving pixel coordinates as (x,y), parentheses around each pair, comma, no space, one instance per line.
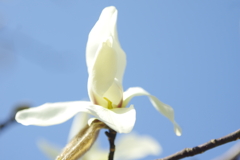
(111,134)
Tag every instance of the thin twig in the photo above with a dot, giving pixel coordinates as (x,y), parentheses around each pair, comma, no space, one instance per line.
(11,119)
(188,152)
(111,138)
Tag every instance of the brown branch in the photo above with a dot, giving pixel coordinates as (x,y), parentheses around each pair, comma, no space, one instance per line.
(82,142)
(188,152)
(111,138)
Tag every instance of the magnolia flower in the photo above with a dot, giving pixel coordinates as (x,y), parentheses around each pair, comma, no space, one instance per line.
(129,146)
(106,63)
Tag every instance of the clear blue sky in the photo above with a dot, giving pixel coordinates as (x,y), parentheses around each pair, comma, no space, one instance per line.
(187,53)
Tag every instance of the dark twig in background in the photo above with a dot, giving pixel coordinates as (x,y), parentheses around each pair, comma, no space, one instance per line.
(11,119)
(204,147)
(111,138)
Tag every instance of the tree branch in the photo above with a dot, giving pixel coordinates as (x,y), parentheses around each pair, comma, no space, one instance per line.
(82,142)
(111,138)
(188,152)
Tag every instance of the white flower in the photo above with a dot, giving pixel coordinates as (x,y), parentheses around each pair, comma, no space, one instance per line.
(106,63)
(129,146)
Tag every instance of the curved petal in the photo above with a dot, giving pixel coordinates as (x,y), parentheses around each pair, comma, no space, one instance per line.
(105,27)
(114,94)
(100,31)
(51,113)
(104,69)
(165,109)
(134,146)
(121,65)
(120,119)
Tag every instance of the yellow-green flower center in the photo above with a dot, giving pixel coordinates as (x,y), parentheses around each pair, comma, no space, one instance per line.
(109,106)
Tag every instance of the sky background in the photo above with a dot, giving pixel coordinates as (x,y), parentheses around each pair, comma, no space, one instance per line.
(186,53)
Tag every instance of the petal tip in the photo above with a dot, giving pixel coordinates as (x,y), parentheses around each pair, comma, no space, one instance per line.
(177,130)
(110,9)
(19,117)
(178,133)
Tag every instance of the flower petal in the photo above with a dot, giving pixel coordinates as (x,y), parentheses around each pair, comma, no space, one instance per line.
(165,109)
(104,28)
(134,146)
(51,113)
(114,94)
(104,70)
(120,119)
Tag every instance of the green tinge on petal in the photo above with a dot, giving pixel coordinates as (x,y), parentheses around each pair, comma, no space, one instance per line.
(121,120)
(113,94)
(164,109)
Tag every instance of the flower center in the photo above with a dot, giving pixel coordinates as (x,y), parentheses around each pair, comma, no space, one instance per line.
(109,106)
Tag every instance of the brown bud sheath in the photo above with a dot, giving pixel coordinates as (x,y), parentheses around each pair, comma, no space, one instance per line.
(82,142)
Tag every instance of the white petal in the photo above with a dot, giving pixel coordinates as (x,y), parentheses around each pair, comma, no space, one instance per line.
(79,122)
(165,109)
(50,150)
(114,94)
(104,69)
(134,146)
(51,113)
(104,28)
(120,119)
(100,31)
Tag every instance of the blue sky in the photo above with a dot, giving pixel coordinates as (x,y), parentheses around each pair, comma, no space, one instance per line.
(186,53)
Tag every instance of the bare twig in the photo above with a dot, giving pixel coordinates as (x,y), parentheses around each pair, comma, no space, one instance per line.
(111,138)
(188,152)
(11,119)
